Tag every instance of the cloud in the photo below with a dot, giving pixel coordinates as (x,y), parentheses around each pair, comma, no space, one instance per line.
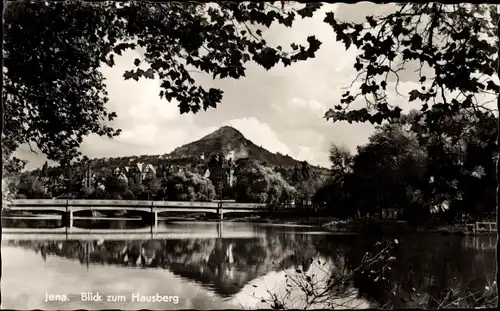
(281,109)
(312,105)
(260,134)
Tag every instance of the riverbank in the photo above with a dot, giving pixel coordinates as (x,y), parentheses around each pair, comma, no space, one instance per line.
(332,224)
(398,227)
(364,225)
(355,226)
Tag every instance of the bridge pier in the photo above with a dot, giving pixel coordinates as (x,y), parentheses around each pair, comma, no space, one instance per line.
(67,219)
(153,219)
(220,230)
(220,211)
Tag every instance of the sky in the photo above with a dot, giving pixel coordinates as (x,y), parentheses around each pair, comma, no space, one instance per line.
(281,109)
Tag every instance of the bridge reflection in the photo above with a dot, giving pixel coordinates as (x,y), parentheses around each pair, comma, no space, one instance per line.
(212,231)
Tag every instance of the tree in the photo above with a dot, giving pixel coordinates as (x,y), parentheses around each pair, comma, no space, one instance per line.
(306,189)
(341,160)
(301,172)
(257,183)
(128,195)
(75,183)
(161,194)
(425,172)
(453,41)
(455,48)
(53,52)
(188,186)
(462,165)
(138,190)
(392,159)
(45,170)
(306,182)
(31,187)
(151,185)
(115,186)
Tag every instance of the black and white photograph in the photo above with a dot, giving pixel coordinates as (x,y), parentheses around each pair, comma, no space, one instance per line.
(229,155)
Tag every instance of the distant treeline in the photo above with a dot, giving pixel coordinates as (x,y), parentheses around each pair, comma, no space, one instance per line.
(246,181)
(405,171)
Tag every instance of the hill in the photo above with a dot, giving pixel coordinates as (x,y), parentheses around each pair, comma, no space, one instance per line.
(226,139)
(229,140)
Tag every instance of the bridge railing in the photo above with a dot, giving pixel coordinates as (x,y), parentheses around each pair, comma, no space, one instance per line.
(35,202)
(131,203)
(481,227)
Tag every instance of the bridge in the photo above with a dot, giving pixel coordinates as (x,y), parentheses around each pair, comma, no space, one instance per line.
(153,208)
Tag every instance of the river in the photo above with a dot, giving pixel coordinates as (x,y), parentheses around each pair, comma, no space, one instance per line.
(206,265)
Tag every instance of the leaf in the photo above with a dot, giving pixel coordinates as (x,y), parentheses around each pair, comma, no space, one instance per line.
(119,48)
(267,59)
(330,19)
(111,61)
(377,118)
(168,96)
(149,74)
(288,21)
(129,74)
(414,94)
(491,86)
(330,114)
(347,41)
(309,9)
(371,21)
(314,43)
(358,66)
(156,65)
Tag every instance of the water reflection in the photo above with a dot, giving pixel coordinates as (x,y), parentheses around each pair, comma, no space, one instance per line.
(238,269)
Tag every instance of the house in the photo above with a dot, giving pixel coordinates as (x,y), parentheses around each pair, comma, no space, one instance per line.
(221,171)
(162,171)
(173,169)
(121,173)
(123,177)
(135,172)
(148,171)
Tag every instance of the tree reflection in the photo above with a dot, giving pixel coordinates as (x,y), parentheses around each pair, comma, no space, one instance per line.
(423,270)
